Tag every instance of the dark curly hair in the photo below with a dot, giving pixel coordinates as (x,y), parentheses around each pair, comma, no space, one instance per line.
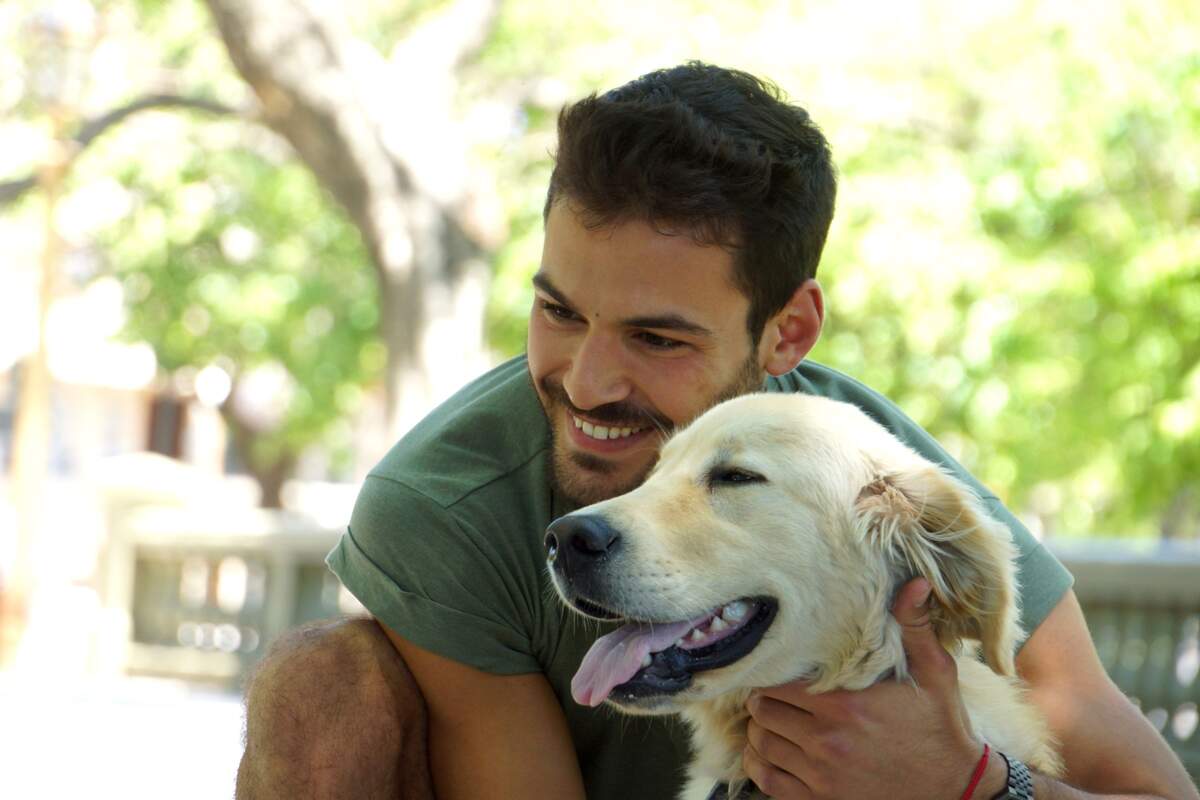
(713,151)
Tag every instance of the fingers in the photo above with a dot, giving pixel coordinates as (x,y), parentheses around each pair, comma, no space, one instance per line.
(779,718)
(928,661)
(794,693)
(910,607)
(770,761)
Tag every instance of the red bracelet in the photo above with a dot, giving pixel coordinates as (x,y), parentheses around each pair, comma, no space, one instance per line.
(977,775)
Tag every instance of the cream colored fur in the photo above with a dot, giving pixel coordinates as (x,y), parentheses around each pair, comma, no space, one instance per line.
(846,515)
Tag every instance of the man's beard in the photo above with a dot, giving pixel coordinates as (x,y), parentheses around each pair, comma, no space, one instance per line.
(582,478)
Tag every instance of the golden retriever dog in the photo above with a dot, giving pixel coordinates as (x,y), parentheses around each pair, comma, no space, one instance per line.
(767,545)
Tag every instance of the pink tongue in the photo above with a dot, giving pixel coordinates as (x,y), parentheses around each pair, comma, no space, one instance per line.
(616,657)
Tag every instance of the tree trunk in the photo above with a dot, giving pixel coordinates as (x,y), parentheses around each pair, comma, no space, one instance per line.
(269,475)
(314,82)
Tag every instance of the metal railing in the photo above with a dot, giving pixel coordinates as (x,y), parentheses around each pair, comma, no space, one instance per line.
(1142,605)
(205,593)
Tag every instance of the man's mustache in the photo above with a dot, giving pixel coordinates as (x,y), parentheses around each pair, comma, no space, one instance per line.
(618,415)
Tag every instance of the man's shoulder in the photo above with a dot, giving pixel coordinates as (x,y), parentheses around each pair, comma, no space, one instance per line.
(490,429)
(811,377)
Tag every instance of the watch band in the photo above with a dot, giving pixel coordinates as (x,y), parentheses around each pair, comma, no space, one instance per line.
(721,791)
(1020,782)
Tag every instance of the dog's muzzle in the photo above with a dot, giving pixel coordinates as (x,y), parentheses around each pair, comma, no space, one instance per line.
(579,548)
(580,540)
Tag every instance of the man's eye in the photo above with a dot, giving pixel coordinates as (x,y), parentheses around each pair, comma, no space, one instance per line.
(659,342)
(558,312)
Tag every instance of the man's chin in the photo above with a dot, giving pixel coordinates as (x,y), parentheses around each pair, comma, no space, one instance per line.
(584,479)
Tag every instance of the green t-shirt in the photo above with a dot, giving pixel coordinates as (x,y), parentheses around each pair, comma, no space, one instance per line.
(445,547)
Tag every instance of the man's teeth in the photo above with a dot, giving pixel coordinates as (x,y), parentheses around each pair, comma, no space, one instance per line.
(601,432)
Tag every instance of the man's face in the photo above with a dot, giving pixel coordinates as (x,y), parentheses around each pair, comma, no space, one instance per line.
(632,333)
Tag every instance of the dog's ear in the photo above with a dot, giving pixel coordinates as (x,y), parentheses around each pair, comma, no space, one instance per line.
(931,524)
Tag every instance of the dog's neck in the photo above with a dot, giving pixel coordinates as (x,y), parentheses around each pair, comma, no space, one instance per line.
(719,736)
(719,724)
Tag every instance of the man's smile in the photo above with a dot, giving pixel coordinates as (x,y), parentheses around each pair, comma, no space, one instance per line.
(597,438)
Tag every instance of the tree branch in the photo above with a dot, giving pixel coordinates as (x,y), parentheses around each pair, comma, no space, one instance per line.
(91,129)
(11,190)
(458,31)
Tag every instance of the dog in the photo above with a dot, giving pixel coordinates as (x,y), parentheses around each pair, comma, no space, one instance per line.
(766,545)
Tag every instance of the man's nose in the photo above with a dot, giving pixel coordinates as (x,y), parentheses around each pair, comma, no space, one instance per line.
(598,373)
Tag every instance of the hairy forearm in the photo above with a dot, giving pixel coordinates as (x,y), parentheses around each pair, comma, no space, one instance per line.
(1049,789)
(1112,751)
(1105,741)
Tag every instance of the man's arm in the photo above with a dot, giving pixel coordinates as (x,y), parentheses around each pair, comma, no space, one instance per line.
(1107,744)
(891,742)
(495,737)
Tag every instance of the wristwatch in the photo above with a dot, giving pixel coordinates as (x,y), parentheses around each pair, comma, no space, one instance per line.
(1020,782)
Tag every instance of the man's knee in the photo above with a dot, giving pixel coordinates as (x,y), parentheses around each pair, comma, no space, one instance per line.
(321,667)
(332,701)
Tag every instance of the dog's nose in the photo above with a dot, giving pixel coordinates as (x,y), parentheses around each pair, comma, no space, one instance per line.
(586,536)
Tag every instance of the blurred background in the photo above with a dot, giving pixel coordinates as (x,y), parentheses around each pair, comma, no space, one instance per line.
(245,244)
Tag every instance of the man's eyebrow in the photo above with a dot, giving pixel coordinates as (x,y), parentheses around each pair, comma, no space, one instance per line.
(668,322)
(540,281)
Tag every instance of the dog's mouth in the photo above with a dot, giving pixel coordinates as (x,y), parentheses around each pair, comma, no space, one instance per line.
(644,659)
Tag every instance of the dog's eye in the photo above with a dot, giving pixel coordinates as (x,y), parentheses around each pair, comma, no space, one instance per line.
(733,475)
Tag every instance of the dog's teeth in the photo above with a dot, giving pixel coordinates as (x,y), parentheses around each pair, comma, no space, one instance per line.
(697,635)
(679,642)
(646,659)
(717,625)
(735,611)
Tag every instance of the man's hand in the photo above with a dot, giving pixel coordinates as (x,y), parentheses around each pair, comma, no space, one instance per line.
(892,740)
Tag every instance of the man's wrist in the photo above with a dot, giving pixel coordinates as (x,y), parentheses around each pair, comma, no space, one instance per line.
(1018,780)
(995,777)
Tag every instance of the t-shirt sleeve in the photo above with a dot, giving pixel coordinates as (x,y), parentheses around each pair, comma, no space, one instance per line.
(432,580)
(1042,578)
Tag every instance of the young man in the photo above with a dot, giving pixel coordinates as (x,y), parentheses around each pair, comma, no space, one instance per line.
(684,222)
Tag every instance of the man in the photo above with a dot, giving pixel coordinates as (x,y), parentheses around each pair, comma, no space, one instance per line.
(684,222)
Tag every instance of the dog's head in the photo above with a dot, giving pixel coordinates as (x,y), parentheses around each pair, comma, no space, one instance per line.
(767,545)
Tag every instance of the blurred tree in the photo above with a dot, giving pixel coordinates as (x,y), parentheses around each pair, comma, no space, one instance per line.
(1017,262)
(1014,257)
(1104,230)
(254,289)
(380,137)
(233,261)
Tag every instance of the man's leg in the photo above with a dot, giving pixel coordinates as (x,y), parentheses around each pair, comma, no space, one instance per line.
(332,712)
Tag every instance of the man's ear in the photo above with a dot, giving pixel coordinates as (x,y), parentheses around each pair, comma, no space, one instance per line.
(791,333)
(931,524)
